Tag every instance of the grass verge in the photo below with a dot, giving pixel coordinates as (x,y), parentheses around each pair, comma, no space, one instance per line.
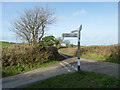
(100,58)
(81,79)
(10,71)
(103,53)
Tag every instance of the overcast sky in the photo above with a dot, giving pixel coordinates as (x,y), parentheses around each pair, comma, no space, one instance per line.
(99,20)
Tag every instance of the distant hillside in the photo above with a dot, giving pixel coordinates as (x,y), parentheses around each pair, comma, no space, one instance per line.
(5,44)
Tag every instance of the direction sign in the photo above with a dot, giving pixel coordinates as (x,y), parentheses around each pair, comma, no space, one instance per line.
(69,34)
(73,34)
(74,31)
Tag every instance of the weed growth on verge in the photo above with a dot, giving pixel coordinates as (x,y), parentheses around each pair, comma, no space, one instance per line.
(17,59)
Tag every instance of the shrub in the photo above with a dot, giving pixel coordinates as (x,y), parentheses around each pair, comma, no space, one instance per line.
(20,57)
(49,40)
(40,45)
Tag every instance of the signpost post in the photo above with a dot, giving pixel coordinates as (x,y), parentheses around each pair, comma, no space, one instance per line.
(73,34)
(79,33)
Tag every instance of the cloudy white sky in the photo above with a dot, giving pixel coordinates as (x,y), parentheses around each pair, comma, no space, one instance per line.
(99,20)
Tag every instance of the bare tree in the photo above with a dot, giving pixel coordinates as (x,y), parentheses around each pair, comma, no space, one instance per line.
(58,41)
(31,25)
(67,42)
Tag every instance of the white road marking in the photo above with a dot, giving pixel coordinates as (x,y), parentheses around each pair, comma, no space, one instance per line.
(65,67)
(70,65)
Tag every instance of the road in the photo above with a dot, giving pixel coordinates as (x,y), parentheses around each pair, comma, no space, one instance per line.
(66,66)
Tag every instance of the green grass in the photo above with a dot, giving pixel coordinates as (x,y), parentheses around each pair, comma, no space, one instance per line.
(81,79)
(99,58)
(105,58)
(90,56)
(10,71)
(87,55)
(5,44)
(101,53)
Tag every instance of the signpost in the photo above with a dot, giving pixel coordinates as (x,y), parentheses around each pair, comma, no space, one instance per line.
(73,34)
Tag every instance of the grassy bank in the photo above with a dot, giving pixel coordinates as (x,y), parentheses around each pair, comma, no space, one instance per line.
(103,53)
(21,58)
(10,71)
(78,80)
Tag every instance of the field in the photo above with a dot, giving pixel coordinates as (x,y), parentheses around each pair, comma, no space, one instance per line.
(81,79)
(68,51)
(103,53)
(6,44)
